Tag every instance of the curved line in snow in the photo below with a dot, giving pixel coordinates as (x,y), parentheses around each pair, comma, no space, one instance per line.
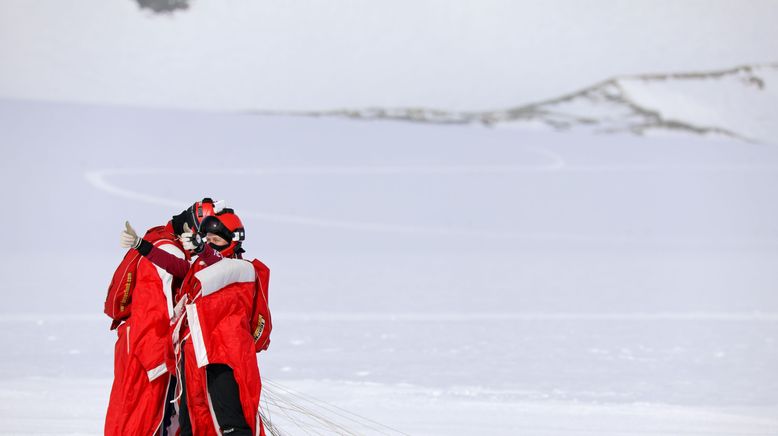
(99,180)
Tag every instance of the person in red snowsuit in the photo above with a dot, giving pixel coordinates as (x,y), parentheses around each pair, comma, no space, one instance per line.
(144,362)
(226,305)
(227,323)
(143,353)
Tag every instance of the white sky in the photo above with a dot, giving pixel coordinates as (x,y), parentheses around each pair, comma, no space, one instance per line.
(280,55)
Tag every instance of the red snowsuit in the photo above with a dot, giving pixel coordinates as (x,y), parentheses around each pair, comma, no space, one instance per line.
(143,356)
(228,323)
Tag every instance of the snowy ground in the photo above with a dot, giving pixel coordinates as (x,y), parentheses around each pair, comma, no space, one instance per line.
(434,279)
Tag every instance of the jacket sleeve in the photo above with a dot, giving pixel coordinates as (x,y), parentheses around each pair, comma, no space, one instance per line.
(172,261)
(153,335)
(171,252)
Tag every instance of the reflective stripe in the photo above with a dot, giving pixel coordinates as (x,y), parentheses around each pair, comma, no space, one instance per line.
(156,372)
(196,332)
(225,272)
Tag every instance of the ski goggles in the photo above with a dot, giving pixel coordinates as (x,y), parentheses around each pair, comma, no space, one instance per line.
(212,224)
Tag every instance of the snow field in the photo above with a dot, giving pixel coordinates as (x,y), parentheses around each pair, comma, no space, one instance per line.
(436,280)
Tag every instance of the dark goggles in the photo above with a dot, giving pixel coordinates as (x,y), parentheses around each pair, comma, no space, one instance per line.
(211,224)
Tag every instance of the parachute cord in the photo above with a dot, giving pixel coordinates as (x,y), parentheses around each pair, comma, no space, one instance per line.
(179,353)
(268,424)
(290,402)
(180,309)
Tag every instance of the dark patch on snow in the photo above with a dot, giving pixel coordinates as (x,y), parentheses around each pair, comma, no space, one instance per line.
(626,114)
(164,6)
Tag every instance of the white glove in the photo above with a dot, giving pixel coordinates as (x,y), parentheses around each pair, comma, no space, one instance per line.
(191,240)
(128,238)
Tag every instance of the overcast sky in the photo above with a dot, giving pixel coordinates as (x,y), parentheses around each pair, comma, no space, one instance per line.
(277,55)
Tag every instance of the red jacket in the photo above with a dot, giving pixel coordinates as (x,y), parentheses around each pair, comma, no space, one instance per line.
(143,355)
(227,309)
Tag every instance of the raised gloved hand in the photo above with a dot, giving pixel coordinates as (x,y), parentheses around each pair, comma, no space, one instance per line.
(191,240)
(128,238)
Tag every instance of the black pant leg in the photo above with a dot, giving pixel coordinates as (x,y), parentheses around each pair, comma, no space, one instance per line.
(225,400)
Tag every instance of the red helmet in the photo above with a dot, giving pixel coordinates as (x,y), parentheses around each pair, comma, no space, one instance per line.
(201,209)
(194,214)
(227,225)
